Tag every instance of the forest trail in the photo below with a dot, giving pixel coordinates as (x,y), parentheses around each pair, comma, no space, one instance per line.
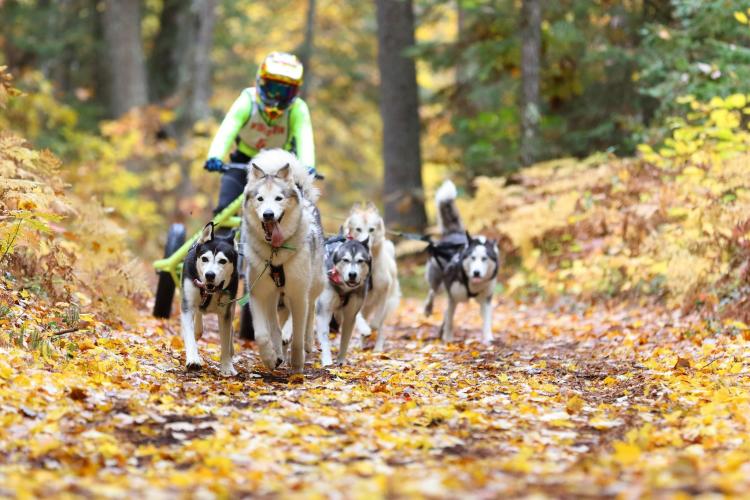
(596,401)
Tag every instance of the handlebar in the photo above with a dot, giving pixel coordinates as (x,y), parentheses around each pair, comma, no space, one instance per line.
(234,166)
(243,166)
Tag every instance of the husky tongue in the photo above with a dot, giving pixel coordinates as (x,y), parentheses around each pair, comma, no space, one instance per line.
(277,238)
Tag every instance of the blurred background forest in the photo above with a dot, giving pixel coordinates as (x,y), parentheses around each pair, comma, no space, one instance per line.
(128,93)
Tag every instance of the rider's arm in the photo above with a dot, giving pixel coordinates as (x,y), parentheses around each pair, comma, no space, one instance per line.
(230,127)
(302,133)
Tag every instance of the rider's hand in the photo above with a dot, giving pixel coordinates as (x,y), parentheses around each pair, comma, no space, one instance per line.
(213,165)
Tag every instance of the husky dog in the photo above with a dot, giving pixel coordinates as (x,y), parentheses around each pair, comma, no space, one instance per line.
(366,224)
(283,253)
(465,266)
(209,285)
(348,262)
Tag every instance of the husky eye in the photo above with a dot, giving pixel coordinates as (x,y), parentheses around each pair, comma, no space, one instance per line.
(347,260)
(359,229)
(279,198)
(484,259)
(222,261)
(359,261)
(204,259)
(372,229)
(260,198)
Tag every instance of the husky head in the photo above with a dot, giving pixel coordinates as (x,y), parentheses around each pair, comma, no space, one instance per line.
(271,200)
(216,259)
(480,259)
(350,264)
(365,223)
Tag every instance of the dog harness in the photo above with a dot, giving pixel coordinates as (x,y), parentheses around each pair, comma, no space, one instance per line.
(206,295)
(277,274)
(444,251)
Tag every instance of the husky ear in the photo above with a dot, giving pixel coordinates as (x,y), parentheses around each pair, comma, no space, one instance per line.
(207,234)
(357,206)
(468,237)
(366,243)
(371,206)
(283,172)
(256,171)
(341,231)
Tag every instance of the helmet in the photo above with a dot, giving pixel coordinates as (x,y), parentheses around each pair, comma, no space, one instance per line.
(278,82)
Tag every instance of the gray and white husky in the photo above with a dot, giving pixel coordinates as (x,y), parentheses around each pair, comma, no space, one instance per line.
(349,263)
(209,285)
(283,252)
(465,266)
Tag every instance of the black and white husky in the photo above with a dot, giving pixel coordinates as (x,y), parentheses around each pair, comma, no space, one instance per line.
(465,266)
(209,285)
(283,252)
(348,264)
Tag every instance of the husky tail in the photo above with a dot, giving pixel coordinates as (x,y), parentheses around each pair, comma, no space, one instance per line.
(449,220)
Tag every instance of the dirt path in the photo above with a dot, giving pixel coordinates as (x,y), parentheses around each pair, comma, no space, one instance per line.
(596,403)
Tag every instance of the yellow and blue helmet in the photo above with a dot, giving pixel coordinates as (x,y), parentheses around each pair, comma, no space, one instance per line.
(278,82)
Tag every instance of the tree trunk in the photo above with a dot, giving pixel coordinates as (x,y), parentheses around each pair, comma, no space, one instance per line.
(399,111)
(121,20)
(195,40)
(307,47)
(167,54)
(531,48)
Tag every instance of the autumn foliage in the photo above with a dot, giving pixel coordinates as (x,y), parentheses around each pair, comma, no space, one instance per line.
(62,245)
(669,225)
(619,368)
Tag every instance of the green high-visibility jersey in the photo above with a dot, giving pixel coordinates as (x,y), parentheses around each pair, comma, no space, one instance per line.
(252,131)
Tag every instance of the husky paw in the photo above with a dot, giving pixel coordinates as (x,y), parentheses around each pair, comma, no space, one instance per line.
(487,341)
(325,359)
(194,363)
(279,361)
(228,371)
(362,327)
(378,348)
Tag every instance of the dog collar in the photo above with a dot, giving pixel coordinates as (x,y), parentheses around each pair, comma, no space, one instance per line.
(335,277)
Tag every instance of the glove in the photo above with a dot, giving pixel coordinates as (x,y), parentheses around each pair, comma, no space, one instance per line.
(311,171)
(213,165)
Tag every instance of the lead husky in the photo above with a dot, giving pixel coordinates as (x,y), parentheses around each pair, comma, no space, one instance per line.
(366,224)
(348,262)
(209,284)
(283,252)
(465,266)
